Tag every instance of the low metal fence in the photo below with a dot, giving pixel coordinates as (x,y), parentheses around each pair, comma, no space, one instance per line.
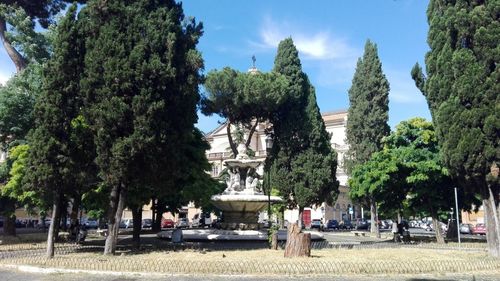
(65,258)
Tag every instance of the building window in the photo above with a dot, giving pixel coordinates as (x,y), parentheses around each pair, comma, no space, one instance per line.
(215,170)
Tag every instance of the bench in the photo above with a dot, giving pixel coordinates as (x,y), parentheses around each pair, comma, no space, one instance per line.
(359,233)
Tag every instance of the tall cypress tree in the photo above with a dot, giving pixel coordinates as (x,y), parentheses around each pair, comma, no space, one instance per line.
(462,90)
(51,168)
(304,162)
(141,84)
(367,115)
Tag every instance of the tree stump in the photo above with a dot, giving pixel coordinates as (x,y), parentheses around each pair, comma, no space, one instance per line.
(297,244)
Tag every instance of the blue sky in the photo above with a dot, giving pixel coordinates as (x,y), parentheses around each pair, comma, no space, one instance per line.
(330,36)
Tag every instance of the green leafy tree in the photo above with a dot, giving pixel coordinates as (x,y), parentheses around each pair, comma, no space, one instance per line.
(461,88)
(141,84)
(302,161)
(367,116)
(50,165)
(408,175)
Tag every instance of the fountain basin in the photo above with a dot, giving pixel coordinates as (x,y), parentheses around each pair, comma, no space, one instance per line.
(241,211)
(242,202)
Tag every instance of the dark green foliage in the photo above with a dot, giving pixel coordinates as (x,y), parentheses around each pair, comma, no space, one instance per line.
(462,86)
(142,73)
(244,99)
(304,165)
(21,15)
(40,10)
(462,89)
(368,109)
(50,165)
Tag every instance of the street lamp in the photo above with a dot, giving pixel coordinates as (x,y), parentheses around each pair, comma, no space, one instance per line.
(269,147)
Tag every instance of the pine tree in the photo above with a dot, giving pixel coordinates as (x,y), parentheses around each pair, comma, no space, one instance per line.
(461,89)
(304,164)
(22,16)
(141,83)
(50,165)
(367,115)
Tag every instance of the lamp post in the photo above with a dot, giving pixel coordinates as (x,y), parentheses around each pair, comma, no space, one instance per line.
(269,147)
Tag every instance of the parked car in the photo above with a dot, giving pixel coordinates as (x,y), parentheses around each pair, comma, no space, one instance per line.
(331,225)
(466,228)
(47,223)
(182,223)
(346,224)
(479,229)
(316,223)
(201,220)
(167,223)
(127,223)
(147,223)
(91,223)
(362,224)
(20,223)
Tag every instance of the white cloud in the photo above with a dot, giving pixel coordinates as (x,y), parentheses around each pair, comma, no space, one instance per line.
(333,56)
(319,45)
(403,89)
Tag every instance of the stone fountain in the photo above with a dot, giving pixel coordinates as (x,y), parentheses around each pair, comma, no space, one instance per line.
(240,203)
(242,200)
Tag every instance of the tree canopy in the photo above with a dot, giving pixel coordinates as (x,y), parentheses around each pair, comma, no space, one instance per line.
(461,87)
(368,109)
(304,164)
(21,42)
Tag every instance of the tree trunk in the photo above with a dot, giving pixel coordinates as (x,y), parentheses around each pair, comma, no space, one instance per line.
(159,210)
(452,233)
(301,213)
(51,237)
(230,139)
(136,234)
(75,208)
(251,132)
(9,225)
(437,229)
(116,206)
(297,244)
(14,55)
(274,240)
(492,233)
(374,217)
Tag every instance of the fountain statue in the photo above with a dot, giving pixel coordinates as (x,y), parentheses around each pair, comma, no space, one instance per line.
(242,200)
